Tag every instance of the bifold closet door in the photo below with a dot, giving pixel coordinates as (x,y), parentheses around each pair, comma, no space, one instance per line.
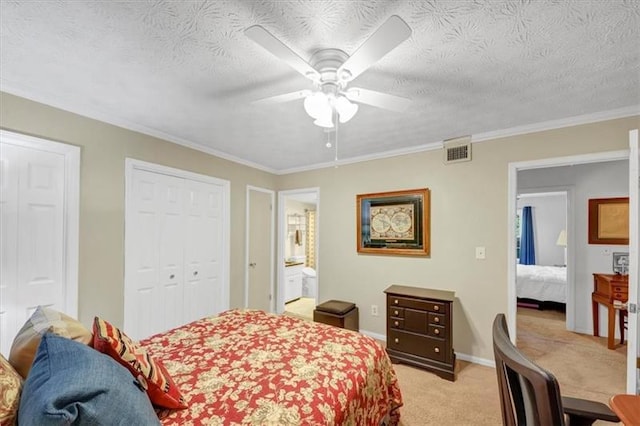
(32,235)
(203,250)
(175,251)
(157,253)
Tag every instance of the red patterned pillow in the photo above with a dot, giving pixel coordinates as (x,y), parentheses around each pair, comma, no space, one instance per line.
(113,342)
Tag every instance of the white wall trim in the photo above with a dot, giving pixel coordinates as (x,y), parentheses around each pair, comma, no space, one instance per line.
(482,137)
(90,112)
(476,360)
(271,244)
(512,188)
(377,336)
(463,357)
(71,155)
(132,164)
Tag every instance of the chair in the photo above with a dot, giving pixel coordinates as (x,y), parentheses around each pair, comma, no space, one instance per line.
(530,395)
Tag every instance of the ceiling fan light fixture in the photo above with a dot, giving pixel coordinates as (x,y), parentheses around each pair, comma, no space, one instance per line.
(324,120)
(316,104)
(346,110)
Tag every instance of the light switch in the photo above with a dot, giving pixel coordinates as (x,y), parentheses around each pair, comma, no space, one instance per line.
(480,253)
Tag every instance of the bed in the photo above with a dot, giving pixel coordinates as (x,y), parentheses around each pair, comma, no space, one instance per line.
(541,283)
(240,367)
(251,367)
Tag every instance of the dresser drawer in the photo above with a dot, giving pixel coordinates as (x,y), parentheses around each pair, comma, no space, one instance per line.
(425,346)
(395,311)
(437,319)
(396,323)
(623,297)
(437,331)
(425,305)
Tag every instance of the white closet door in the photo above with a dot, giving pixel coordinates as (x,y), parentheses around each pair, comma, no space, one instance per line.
(204,283)
(154,296)
(33,235)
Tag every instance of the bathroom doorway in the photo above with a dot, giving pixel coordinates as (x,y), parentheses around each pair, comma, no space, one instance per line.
(298,230)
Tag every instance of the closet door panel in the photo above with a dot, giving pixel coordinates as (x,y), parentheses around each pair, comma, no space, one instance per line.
(203,250)
(171,233)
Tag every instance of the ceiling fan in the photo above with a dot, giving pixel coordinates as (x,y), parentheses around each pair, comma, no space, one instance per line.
(331,70)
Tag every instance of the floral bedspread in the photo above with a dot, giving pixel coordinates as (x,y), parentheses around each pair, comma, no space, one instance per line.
(251,367)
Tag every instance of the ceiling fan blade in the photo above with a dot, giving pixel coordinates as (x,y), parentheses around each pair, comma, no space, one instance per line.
(390,34)
(287,97)
(269,42)
(378,99)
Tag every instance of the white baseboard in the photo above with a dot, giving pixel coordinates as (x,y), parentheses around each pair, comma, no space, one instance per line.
(374,335)
(460,356)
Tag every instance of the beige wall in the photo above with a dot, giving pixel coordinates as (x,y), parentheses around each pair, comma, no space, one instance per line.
(468,209)
(103,151)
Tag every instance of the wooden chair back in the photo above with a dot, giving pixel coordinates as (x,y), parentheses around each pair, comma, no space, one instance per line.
(529,395)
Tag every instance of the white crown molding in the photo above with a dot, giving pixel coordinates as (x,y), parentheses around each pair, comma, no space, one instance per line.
(482,137)
(23,92)
(17,90)
(558,124)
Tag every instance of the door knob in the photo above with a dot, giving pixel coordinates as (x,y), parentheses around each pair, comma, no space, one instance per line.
(195,273)
(171,276)
(252,264)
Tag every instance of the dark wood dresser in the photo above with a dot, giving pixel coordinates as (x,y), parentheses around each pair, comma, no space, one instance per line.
(420,329)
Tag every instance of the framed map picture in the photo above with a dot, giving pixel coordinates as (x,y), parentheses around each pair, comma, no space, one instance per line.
(394,223)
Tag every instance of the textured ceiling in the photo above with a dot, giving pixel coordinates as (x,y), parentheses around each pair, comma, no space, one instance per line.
(187,72)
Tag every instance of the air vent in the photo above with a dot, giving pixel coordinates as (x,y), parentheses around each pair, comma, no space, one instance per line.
(457,150)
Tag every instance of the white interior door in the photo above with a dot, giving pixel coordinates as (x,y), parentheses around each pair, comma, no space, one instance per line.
(633,349)
(259,247)
(38,230)
(176,248)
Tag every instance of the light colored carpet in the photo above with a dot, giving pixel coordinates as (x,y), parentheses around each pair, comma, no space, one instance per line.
(301,308)
(582,364)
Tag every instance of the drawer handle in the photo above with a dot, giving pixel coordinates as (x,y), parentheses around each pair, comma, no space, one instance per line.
(396,323)
(172,276)
(436,331)
(397,340)
(395,301)
(436,308)
(436,350)
(395,313)
(436,319)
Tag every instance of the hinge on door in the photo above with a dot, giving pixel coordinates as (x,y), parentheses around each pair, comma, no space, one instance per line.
(270,298)
(633,308)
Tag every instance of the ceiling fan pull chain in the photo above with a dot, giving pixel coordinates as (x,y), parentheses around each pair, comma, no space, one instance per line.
(336,124)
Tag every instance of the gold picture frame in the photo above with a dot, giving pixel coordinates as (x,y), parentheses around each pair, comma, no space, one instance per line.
(394,223)
(609,221)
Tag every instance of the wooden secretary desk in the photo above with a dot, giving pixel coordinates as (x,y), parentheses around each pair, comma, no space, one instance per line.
(608,289)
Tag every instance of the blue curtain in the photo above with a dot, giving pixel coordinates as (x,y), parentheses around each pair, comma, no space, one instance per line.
(527,248)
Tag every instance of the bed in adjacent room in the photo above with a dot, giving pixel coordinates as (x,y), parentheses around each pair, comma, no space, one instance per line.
(541,283)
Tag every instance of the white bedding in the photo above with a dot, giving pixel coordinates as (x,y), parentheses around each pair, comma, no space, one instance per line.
(543,283)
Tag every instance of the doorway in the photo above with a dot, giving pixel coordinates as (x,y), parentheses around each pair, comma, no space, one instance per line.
(298,242)
(582,259)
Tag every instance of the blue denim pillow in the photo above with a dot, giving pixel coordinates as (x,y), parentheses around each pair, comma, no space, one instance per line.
(73,384)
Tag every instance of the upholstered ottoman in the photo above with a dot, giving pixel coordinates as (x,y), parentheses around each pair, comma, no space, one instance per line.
(339,314)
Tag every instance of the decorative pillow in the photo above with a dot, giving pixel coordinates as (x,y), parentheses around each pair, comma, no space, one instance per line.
(42,320)
(10,387)
(71,383)
(151,373)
